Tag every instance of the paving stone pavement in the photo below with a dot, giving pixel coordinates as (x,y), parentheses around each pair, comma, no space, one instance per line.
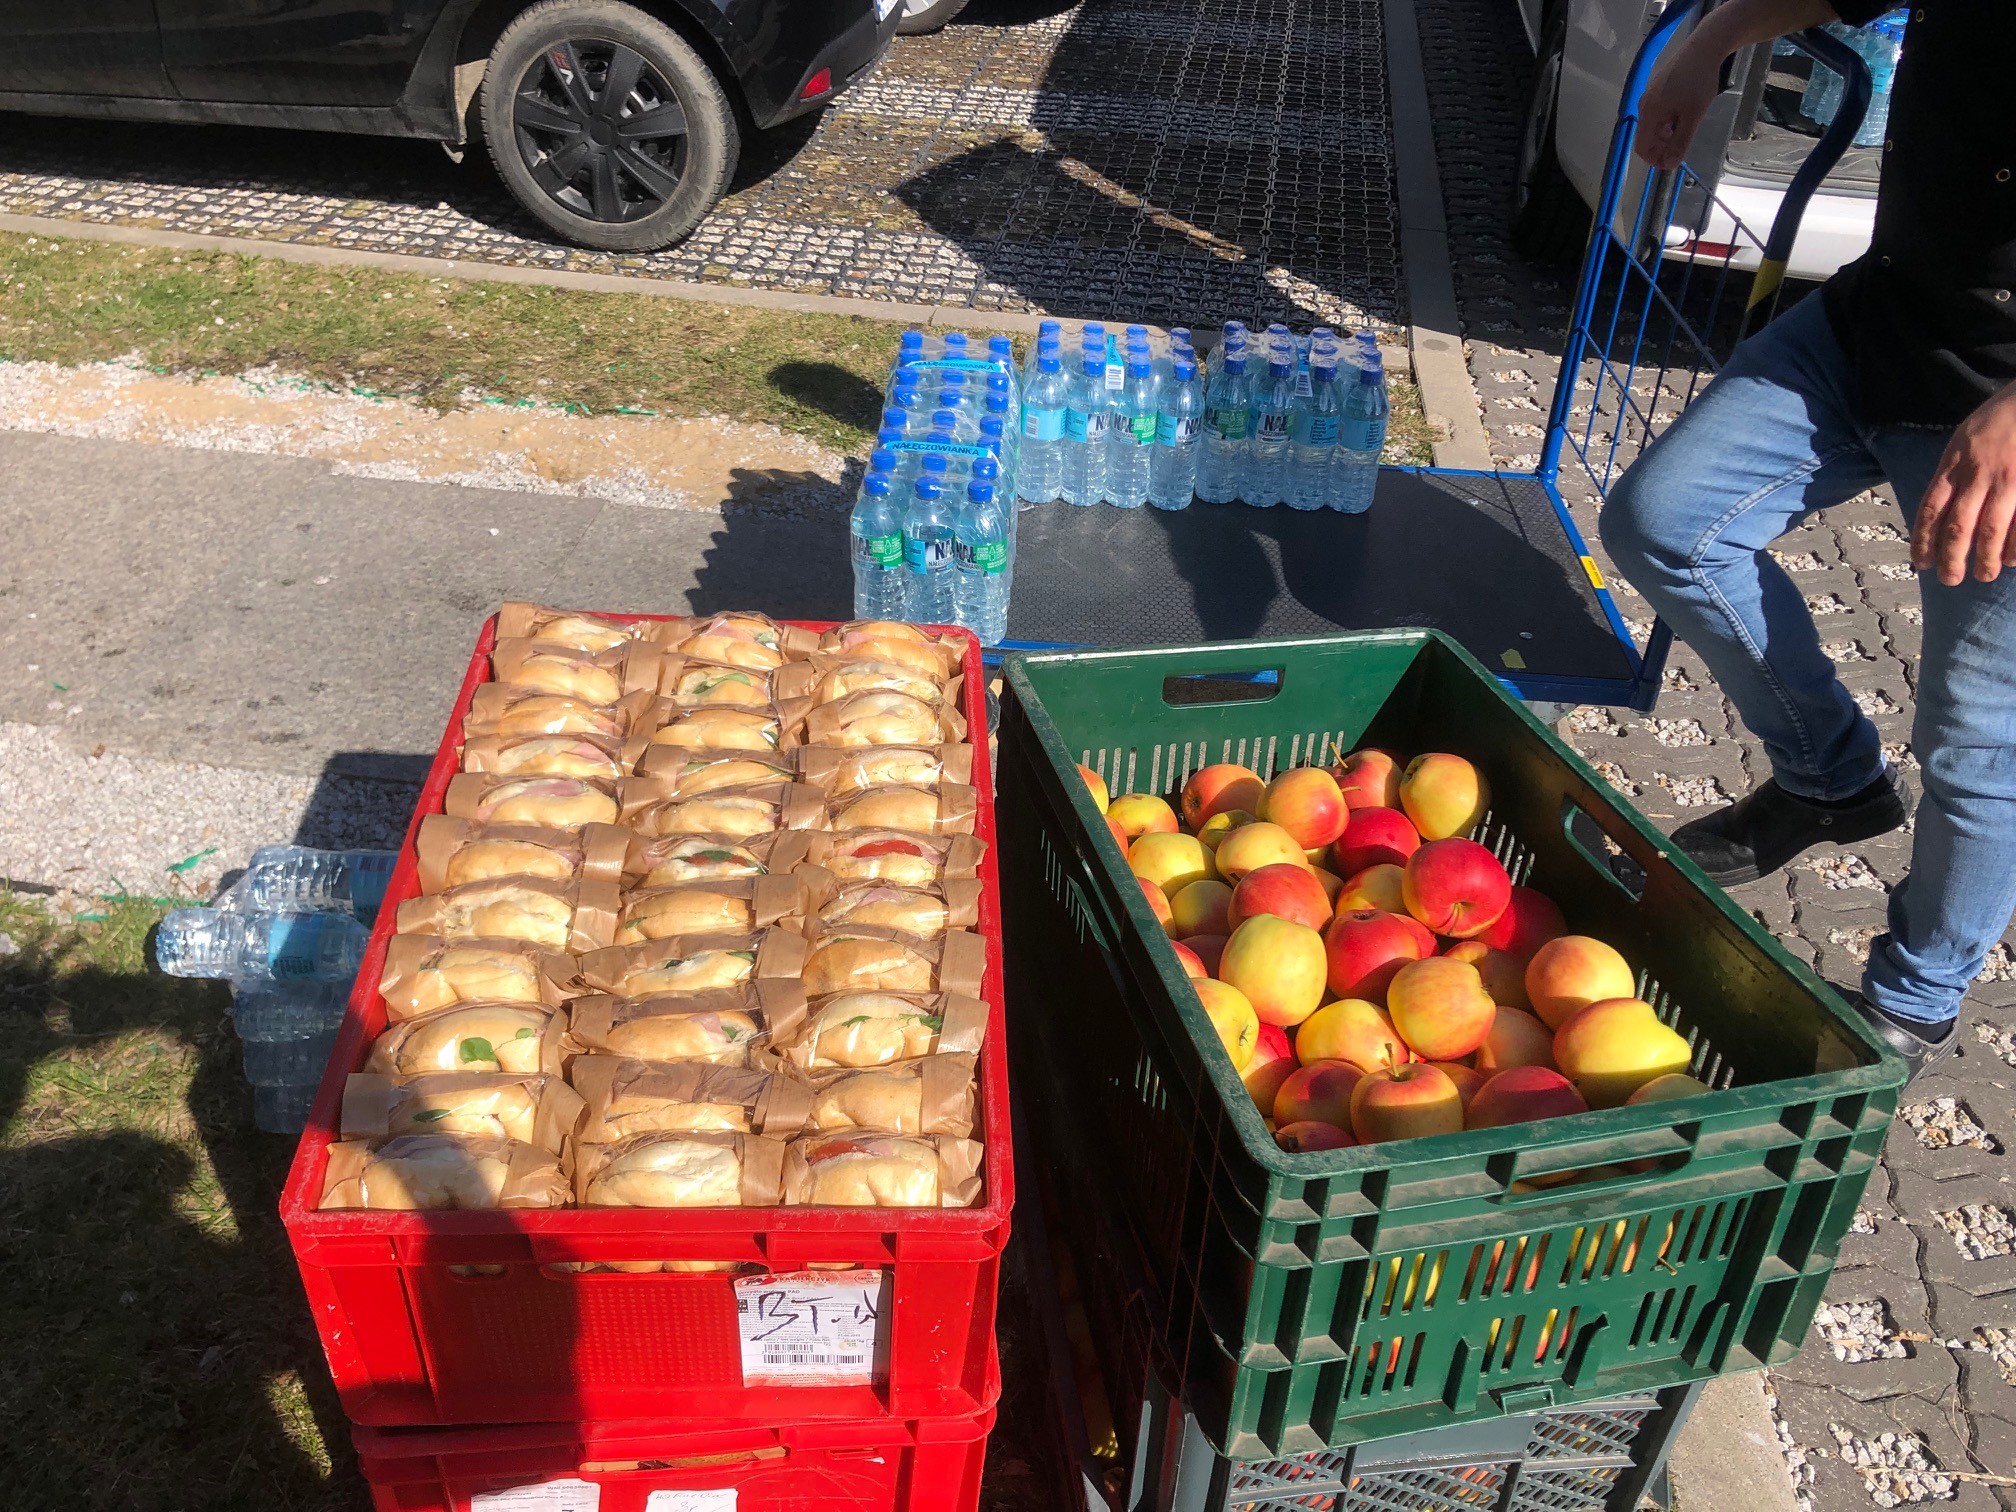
(1181,162)
(1906,1393)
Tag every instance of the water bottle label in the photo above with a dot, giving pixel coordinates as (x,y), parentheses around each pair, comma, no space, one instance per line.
(1043,424)
(885,551)
(924,555)
(1363,435)
(1272,426)
(1140,429)
(1303,387)
(1231,424)
(369,878)
(1175,430)
(987,557)
(1084,425)
(293,945)
(1320,430)
(942,448)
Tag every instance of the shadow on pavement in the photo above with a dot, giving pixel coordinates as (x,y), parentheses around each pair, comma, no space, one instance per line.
(830,389)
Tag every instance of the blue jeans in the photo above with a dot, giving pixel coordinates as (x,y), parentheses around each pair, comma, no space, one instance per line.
(1774,438)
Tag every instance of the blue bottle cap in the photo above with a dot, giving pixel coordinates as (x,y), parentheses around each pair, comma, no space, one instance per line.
(1234,325)
(955,340)
(1095,363)
(997,404)
(928,488)
(1049,362)
(888,436)
(986,469)
(954,379)
(1235,361)
(1048,344)
(1048,327)
(933,462)
(1137,367)
(1091,329)
(980,493)
(1000,346)
(897,415)
(945,420)
(881,460)
(905,396)
(1179,333)
(1137,330)
(876,483)
(912,338)
(1185,370)
(993,425)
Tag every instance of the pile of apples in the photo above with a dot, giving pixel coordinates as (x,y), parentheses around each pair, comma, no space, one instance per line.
(1372,972)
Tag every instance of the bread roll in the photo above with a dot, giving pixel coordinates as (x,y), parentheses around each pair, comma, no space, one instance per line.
(623,1098)
(588,756)
(903,858)
(423,974)
(849,774)
(929,1095)
(862,1170)
(904,645)
(708,683)
(915,911)
(690,774)
(681,1171)
(557,627)
(736,640)
(877,719)
(719,1027)
(532,1109)
(586,676)
(684,910)
(671,860)
(857,1029)
(515,713)
(556,802)
(898,808)
(845,677)
(718,728)
(467,1037)
(486,859)
(432,1172)
(861,962)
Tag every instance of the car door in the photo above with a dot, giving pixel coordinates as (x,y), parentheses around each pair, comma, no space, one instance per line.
(90,47)
(294,52)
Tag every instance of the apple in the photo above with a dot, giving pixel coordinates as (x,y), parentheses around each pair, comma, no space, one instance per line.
(1213,789)
(1202,908)
(1612,1048)
(1365,948)
(1173,860)
(1467,1078)
(1374,836)
(1568,974)
(1140,814)
(1284,890)
(1353,1031)
(1193,964)
(1523,1094)
(1298,1138)
(1208,948)
(1305,801)
(1504,975)
(1158,900)
(1374,887)
(1515,1038)
(1320,1090)
(1440,1007)
(1279,965)
(1530,920)
(1232,1016)
(1666,1088)
(1444,795)
(1119,834)
(1213,830)
(1369,779)
(1252,846)
(1331,883)
(1272,1064)
(1096,786)
(1456,887)
(1407,1102)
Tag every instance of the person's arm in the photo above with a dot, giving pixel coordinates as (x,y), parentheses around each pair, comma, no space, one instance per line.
(1690,75)
(1966,514)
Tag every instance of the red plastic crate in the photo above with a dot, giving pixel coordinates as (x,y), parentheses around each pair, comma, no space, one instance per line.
(415,1335)
(876,1465)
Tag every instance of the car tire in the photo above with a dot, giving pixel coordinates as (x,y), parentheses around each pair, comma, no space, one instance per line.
(921,16)
(604,172)
(1550,220)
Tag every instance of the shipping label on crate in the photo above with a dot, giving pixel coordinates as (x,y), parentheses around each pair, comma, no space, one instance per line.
(813,1328)
(690,1501)
(550,1496)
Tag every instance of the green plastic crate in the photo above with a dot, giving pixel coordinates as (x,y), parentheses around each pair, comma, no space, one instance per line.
(1328,1298)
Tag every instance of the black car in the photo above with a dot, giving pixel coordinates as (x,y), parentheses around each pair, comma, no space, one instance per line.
(618,125)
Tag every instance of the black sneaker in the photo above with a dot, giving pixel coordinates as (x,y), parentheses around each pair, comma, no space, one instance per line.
(1754,836)
(1908,1037)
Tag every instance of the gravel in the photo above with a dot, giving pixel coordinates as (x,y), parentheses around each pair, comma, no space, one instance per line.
(1858,1331)
(1897,1469)
(1945,1123)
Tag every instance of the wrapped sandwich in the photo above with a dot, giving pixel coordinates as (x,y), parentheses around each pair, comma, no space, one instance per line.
(857,1030)
(667,860)
(555,802)
(599,758)
(932,1095)
(623,1098)
(686,682)
(722,1028)
(680,1171)
(864,1169)
(837,675)
(922,911)
(737,640)
(514,713)
(650,810)
(593,677)
(530,1108)
(430,1172)
(695,963)
(723,727)
(734,906)
(860,958)
(892,641)
(423,973)
(519,1037)
(848,774)
(571,916)
(694,774)
(453,851)
(883,719)
(901,857)
(557,627)
(948,809)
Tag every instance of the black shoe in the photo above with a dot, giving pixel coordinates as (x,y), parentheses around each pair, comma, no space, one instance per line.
(1754,836)
(1906,1036)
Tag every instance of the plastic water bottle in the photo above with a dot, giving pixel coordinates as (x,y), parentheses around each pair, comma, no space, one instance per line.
(1361,438)
(877,531)
(1233,338)
(909,349)
(1313,432)
(897,418)
(1130,435)
(1179,411)
(1273,413)
(1085,430)
(927,548)
(1049,330)
(1039,477)
(1228,431)
(1881,45)
(216,942)
(295,879)
(980,550)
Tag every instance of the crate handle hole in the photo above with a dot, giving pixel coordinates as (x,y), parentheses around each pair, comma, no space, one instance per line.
(1197,689)
(1604,855)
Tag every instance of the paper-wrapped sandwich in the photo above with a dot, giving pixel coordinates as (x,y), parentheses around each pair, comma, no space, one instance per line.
(902,857)
(736,906)
(594,677)
(693,774)
(441,1171)
(858,958)
(836,675)
(531,1108)
(722,727)
(628,1097)
(572,916)
(933,1095)
(736,640)
(554,802)
(598,758)
(685,682)
(667,860)
(856,1030)
(948,809)
(695,963)
(722,1028)
(882,719)
(863,1169)
(922,911)
(680,1171)
(521,1037)
(423,973)
(650,810)
(453,851)
(892,641)
(847,774)
(516,713)
(558,627)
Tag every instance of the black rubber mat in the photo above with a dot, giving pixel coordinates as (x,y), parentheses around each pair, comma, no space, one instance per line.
(1483,558)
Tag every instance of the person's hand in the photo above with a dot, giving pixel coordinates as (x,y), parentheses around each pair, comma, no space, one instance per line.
(1967,511)
(1682,89)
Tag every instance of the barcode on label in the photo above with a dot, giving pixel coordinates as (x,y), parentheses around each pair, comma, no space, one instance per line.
(812,1328)
(806,1357)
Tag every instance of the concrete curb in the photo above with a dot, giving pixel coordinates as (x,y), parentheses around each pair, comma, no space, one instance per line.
(1447,393)
(1727,1456)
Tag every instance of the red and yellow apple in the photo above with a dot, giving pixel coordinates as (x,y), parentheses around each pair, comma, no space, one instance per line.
(1213,789)
(1279,965)
(1096,786)
(1331,883)
(1407,1102)
(1440,1007)
(1567,974)
(1523,1094)
(1612,1048)
(1374,887)
(1444,795)
(1530,920)
(1298,1138)
(1353,1031)
(1515,1039)
(1365,948)
(1158,901)
(1283,890)
(1504,975)
(1172,860)
(1467,1078)
(1320,1090)
(1221,824)
(1369,779)
(1456,887)
(1201,908)
(1118,833)
(1140,814)
(1193,964)
(1232,1016)
(1305,802)
(1372,837)
(1666,1088)
(1208,948)
(1272,1064)
(1252,846)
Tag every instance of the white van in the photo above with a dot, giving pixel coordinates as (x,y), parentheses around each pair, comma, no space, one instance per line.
(1751,143)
